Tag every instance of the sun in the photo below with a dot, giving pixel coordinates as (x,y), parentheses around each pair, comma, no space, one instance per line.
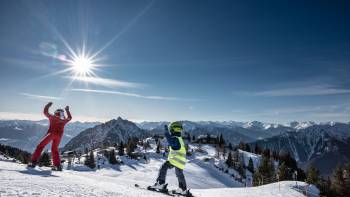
(82,65)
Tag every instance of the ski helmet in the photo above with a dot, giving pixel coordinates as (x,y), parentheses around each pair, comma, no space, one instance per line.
(176,127)
(60,113)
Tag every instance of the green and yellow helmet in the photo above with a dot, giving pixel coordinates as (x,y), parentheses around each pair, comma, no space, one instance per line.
(176,127)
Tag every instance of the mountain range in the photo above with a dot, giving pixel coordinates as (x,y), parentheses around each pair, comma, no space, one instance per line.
(25,134)
(323,145)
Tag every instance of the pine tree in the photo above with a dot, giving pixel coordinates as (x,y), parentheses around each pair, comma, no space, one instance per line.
(326,188)
(251,165)
(247,148)
(267,169)
(282,172)
(267,153)
(221,141)
(44,160)
(229,160)
(347,179)
(257,149)
(338,183)
(121,149)
(193,138)
(241,169)
(90,160)
(241,145)
(224,152)
(230,147)
(217,149)
(158,148)
(87,159)
(189,137)
(257,178)
(23,158)
(289,161)
(131,146)
(112,159)
(313,176)
(208,138)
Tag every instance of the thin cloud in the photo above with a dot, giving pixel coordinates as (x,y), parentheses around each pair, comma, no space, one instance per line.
(40,97)
(123,94)
(316,90)
(107,82)
(40,116)
(20,116)
(319,113)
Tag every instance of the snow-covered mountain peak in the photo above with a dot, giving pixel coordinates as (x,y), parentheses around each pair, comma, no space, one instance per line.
(254,124)
(300,125)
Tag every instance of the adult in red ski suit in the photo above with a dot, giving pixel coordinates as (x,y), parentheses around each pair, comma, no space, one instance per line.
(54,134)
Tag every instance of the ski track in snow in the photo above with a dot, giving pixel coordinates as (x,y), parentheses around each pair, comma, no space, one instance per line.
(17,180)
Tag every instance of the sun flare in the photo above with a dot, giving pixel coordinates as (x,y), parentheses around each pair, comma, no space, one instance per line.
(82,65)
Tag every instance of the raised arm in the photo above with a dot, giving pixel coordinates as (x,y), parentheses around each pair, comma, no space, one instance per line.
(172,141)
(46,109)
(68,114)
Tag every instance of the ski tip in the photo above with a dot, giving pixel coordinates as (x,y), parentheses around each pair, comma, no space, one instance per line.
(137,185)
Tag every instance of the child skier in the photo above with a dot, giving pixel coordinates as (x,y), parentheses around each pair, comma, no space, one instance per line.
(176,159)
(54,134)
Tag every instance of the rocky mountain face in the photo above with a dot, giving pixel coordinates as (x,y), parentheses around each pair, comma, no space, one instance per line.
(324,146)
(113,131)
(25,134)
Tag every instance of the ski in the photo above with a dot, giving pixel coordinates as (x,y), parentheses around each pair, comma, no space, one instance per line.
(165,192)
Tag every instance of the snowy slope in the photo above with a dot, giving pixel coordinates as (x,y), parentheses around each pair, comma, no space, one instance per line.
(16,180)
(247,155)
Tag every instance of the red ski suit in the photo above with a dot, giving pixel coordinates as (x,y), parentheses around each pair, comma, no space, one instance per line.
(54,134)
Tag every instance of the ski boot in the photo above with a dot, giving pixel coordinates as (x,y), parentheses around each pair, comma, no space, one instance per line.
(182,192)
(32,164)
(159,187)
(56,168)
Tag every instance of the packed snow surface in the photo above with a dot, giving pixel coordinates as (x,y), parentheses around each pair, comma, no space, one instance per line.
(17,180)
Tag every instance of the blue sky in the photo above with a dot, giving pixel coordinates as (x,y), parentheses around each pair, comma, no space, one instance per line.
(273,61)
